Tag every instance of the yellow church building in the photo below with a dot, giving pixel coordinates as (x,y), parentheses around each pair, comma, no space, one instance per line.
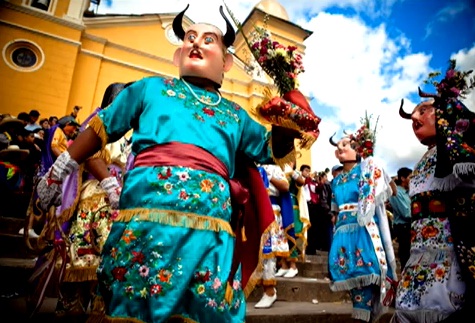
(57,54)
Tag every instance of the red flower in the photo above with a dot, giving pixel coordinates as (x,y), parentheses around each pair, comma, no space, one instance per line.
(138,257)
(167,175)
(156,289)
(119,273)
(208,111)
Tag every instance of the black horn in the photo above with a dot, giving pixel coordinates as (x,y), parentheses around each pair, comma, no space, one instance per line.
(230,35)
(331,140)
(403,113)
(425,95)
(178,24)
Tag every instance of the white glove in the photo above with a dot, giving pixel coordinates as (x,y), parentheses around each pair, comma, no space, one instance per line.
(111,186)
(295,175)
(49,187)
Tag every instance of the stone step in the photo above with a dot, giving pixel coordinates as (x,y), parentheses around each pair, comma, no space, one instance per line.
(305,312)
(14,310)
(11,225)
(302,289)
(14,246)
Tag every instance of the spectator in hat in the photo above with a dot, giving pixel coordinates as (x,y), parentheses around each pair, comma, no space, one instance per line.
(335,171)
(67,127)
(75,112)
(32,125)
(10,128)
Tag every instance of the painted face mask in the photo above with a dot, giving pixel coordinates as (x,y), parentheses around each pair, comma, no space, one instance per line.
(423,122)
(204,50)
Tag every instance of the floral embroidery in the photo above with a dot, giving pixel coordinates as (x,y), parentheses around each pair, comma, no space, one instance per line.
(183,183)
(222,115)
(207,285)
(141,276)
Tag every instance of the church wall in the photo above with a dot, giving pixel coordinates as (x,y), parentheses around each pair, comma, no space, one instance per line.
(80,61)
(45,89)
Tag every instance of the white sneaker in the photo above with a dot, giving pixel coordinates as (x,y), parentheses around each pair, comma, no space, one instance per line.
(266,301)
(281,272)
(291,273)
(31,233)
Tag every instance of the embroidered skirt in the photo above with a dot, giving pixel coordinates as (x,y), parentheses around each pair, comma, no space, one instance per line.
(431,286)
(170,251)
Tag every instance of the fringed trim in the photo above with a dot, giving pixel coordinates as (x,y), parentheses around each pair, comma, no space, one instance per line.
(103,154)
(176,219)
(351,227)
(429,257)
(269,282)
(287,235)
(93,202)
(102,318)
(307,140)
(256,276)
(419,316)
(365,218)
(228,295)
(360,314)
(447,183)
(80,274)
(98,314)
(97,125)
(69,212)
(287,159)
(180,319)
(355,282)
(464,169)
(254,111)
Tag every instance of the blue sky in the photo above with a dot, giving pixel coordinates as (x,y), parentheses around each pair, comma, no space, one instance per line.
(363,55)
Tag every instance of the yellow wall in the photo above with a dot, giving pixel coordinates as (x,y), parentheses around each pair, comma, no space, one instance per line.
(83,58)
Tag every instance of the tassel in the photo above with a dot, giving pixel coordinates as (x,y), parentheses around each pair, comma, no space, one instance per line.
(243,234)
(228,295)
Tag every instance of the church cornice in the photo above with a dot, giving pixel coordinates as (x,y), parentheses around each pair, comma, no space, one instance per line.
(42,33)
(43,15)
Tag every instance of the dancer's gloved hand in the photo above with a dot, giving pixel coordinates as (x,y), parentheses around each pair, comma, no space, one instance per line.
(50,185)
(111,186)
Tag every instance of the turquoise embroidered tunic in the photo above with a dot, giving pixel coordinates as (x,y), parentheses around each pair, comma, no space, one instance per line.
(359,253)
(170,250)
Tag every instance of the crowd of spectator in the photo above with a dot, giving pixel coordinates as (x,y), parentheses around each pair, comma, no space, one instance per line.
(26,141)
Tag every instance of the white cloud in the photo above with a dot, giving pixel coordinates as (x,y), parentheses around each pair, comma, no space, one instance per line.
(350,68)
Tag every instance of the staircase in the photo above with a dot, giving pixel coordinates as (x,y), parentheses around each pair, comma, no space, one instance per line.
(306,298)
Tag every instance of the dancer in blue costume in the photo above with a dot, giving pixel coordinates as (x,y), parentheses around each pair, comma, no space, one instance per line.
(361,256)
(169,253)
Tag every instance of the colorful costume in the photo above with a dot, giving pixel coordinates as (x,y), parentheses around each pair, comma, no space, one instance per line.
(89,228)
(438,281)
(361,254)
(277,239)
(301,221)
(431,287)
(172,236)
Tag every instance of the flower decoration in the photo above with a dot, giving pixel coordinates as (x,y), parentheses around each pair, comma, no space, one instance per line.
(365,137)
(455,126)
(455,84)
(282,63)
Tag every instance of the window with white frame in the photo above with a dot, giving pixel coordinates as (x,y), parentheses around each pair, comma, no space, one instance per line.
(44,5)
